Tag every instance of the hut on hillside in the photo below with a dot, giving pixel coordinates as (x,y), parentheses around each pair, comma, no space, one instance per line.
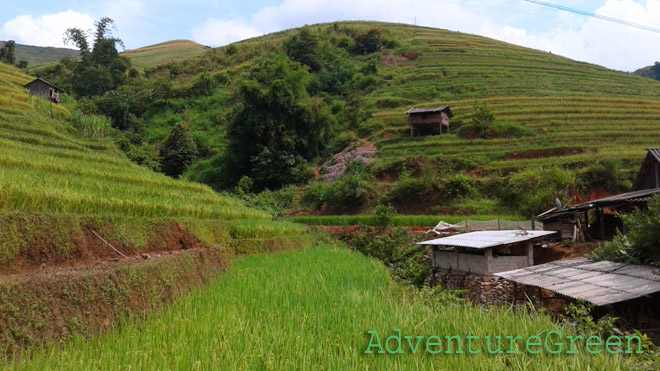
(429,121)
(42,88)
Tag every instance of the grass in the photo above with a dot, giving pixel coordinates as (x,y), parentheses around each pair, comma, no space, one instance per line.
(398,220)
(169,51)
(306,310)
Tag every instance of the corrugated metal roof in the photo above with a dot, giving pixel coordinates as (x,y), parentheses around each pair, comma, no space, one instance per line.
(600,283)
(611,201)
(486,239)
(424,110)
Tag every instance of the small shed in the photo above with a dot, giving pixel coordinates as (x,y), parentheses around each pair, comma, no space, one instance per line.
(649,174)
(42,88)
(429,121)
(600,283)
(596,218)
(485,252)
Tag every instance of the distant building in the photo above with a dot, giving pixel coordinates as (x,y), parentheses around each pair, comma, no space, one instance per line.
(42,88)
(429,121)
(649,174)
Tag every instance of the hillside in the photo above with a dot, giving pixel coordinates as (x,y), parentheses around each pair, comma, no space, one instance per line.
(39,55)
(649,71)
(564,126)
(169,51)
(75,213)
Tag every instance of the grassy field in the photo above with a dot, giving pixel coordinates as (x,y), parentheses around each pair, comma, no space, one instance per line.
(307,310)
(169,51)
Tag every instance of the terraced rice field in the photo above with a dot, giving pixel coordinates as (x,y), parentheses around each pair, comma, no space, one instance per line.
(46,169)
(597,112)
(312,310)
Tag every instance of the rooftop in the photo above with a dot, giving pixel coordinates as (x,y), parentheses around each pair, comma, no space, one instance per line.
(429,110)
(600,283)
(486,239)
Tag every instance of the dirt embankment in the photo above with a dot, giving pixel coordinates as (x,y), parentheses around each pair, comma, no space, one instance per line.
(47,307)
(364,152)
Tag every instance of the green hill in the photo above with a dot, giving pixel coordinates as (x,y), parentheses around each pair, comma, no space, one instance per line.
(48,169)
(561,126)
(40,55)
(169,51)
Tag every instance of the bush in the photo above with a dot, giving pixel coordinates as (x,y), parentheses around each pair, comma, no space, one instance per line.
(641,245)
(532,191)
(368,41)
(90,126)
(178,151)
(605,174)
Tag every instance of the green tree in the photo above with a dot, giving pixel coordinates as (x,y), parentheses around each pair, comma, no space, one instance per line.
(368,41)
(278,126)
(100,69)
(8,52)
(178,151)
(304,47)
(641,243)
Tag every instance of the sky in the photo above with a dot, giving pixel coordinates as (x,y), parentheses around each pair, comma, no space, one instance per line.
(216,23)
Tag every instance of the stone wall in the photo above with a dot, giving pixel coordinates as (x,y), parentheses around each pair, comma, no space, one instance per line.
(481,289)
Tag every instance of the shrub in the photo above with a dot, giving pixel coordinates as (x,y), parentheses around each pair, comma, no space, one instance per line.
(178,151)
(368,41)
(641,245)
(605,174)
(534,190)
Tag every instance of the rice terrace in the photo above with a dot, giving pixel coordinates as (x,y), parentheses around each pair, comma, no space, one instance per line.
(294,190)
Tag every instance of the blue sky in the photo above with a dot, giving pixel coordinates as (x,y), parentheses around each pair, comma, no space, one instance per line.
(216,23)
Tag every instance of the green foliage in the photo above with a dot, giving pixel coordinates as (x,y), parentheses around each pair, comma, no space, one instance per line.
(304,47)
(178,151)
(397,249)
(384,215)
(8,53)
(348,193)
(90,126)
(531,191)
(481,124)
(100,69)
(641,243)
(368,41)
(278,126)
(606,174)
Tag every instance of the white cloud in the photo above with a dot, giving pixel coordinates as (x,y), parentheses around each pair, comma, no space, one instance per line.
(218,32)
(587,39)
(45,30)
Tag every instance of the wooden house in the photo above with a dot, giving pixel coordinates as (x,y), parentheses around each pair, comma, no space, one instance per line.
(429,121)
(649,174)
(42,88)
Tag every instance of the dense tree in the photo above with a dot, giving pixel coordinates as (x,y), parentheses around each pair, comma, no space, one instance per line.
(368,41)
(8,52)
(178,151)
(304,47)
(278,126)
(100,69)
